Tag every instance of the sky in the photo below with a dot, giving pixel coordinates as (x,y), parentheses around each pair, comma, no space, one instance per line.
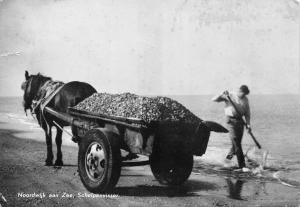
(152,47)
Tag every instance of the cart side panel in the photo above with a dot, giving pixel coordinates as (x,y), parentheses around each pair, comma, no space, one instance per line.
(136,135)
(171,136)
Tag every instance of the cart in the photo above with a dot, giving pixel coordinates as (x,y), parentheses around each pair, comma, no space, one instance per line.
(170,146)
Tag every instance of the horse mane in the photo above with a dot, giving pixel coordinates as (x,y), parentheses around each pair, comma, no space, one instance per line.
(43,78)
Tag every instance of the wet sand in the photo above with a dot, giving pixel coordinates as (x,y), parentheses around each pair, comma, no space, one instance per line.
(22,171)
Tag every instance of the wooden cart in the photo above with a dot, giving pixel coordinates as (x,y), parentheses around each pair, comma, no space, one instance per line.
(169,145)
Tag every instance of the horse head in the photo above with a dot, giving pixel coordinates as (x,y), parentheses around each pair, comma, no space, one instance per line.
(31,87)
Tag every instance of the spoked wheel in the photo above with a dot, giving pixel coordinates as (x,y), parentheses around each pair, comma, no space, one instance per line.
(171,168)
(99,161)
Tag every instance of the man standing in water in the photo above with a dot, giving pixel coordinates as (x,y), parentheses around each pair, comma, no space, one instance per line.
(235,119)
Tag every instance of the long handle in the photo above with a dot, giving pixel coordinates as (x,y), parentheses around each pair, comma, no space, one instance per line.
(250,133)
(255,140)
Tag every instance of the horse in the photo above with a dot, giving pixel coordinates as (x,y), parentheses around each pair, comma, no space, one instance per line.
(68,95)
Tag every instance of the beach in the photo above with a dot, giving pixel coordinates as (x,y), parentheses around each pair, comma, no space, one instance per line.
(25,181)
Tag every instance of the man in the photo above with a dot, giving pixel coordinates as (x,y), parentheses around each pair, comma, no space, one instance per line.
(235,119)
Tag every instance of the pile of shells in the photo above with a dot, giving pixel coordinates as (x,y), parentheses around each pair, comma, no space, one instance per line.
(129,105)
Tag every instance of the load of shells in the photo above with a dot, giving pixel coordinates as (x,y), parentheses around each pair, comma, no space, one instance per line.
(129,105)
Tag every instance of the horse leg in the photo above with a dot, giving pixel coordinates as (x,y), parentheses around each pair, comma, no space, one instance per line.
(58,141)
(49,160)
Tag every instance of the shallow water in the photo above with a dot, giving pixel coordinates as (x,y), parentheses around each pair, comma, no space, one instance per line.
(12,116)
(276,125)
(275,121)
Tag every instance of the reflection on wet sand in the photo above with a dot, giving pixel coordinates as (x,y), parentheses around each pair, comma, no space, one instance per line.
(236,191)
(235,188)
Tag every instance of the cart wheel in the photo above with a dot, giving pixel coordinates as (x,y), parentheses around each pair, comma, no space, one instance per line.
(171,168)
(99,160)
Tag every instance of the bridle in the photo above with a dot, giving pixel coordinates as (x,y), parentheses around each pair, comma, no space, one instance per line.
(32,106)
(27,83)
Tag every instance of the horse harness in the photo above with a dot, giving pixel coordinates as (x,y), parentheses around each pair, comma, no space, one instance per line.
(45,96)
(46,93)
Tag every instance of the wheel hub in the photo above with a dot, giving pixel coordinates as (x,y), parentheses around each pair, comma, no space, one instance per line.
(95,161)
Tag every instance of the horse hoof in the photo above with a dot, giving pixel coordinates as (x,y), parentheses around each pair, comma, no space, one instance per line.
(48,163)
(58,163)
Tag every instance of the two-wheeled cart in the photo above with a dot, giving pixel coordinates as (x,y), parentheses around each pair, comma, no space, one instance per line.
(169,145)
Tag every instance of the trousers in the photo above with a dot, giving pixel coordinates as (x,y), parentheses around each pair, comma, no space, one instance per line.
(236,131)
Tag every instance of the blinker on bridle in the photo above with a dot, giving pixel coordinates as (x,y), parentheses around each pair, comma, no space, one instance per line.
(27,82)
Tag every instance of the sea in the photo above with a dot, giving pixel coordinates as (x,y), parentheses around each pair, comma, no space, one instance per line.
(275,123)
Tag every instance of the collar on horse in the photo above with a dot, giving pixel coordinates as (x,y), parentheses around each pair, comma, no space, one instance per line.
(46,94)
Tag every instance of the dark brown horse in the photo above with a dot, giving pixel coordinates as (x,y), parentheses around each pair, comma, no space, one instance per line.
(69,95)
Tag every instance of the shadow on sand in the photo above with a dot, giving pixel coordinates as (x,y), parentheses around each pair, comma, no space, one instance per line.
(188,189)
